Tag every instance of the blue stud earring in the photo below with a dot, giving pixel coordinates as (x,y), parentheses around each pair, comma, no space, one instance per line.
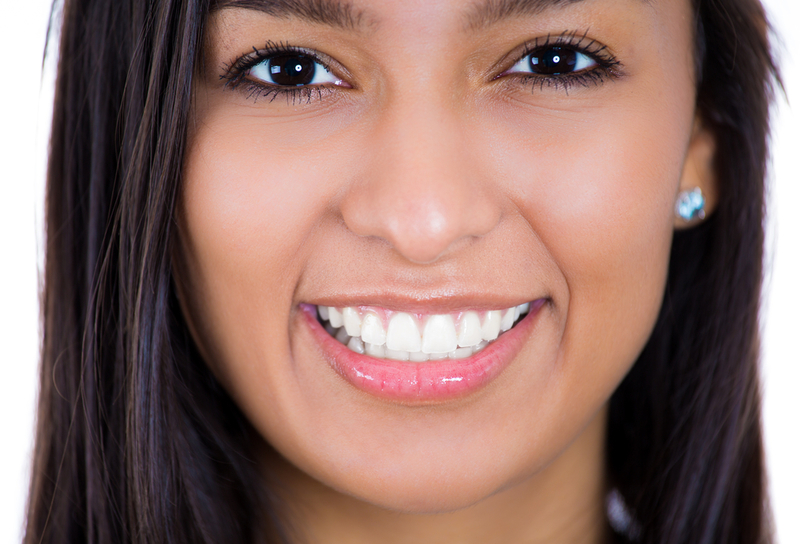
(691,205)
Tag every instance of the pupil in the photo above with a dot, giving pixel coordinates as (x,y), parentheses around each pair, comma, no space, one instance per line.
(554,61)
(291,70)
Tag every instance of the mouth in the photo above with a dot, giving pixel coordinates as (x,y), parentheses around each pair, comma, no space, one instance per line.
(419,357)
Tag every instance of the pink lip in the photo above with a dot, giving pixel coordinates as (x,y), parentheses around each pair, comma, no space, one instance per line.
(422,382)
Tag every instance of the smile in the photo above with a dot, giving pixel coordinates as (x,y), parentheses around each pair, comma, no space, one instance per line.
(417,357)
(385,334)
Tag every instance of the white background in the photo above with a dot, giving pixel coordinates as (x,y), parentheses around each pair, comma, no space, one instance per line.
(25,97)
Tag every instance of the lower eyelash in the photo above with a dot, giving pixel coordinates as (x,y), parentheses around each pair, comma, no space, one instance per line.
(293,95)
(589,78)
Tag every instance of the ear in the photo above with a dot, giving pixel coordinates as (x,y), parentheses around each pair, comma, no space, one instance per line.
(698,170)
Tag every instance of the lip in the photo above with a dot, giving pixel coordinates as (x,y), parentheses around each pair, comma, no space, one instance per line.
(433,381)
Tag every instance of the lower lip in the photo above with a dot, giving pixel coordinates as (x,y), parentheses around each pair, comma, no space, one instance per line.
(422,382)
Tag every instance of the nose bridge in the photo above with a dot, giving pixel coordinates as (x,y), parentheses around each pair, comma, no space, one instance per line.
(418,189)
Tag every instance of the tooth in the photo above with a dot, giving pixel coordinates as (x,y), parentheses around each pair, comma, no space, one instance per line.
(355,344)
(439,335)
(517,312)
(342,336)
(403,333)
(437,356)
(469,330)
(491,325)
(417,356)
(323,313)
(524,308)
(352,321)
(397,355)
(479,347)
(375,350)
(372,330)
(460,353)
(335,317)
(508,319)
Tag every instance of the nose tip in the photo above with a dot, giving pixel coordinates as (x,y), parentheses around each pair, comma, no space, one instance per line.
(421,192)
(421,219)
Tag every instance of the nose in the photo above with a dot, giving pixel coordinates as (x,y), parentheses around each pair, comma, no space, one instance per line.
(420,187)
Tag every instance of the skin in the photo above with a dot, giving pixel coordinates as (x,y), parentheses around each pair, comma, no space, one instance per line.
(426,181)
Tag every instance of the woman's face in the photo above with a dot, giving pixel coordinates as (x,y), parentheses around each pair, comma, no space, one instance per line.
(417,161)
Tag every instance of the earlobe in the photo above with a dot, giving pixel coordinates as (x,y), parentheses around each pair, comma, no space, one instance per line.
(698,173)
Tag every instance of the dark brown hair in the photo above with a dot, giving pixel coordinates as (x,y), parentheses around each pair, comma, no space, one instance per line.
(137,443)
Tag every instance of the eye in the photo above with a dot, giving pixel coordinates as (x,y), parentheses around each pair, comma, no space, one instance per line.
(291,70)
(553,61)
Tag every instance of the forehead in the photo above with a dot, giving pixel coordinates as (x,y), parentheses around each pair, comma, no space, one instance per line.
(368,14)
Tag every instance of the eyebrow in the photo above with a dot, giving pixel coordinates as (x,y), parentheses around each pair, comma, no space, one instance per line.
(333,13)
(488,12)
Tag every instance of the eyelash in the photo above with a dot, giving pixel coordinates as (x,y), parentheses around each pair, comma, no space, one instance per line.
(606,67)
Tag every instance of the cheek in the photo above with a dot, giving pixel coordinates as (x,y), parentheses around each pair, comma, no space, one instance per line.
(598,189)
(248,204)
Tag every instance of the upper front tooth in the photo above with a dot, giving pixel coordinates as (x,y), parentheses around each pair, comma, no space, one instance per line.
(469,330)
(335,317)
(491,325)
(403,333)
(439,335)
(372,330)
(508,319)
(352,321)
(323,313)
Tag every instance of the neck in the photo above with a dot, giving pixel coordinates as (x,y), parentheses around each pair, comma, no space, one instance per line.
(562,503)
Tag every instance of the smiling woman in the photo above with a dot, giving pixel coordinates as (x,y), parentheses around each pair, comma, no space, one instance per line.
(404,271)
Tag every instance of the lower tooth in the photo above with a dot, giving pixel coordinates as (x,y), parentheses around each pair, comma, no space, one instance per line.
(342,336)
(460,353)
(418,357)
(375,350)
(355,344)
(397,355)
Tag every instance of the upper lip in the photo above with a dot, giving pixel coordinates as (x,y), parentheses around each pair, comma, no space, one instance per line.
(426,304)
